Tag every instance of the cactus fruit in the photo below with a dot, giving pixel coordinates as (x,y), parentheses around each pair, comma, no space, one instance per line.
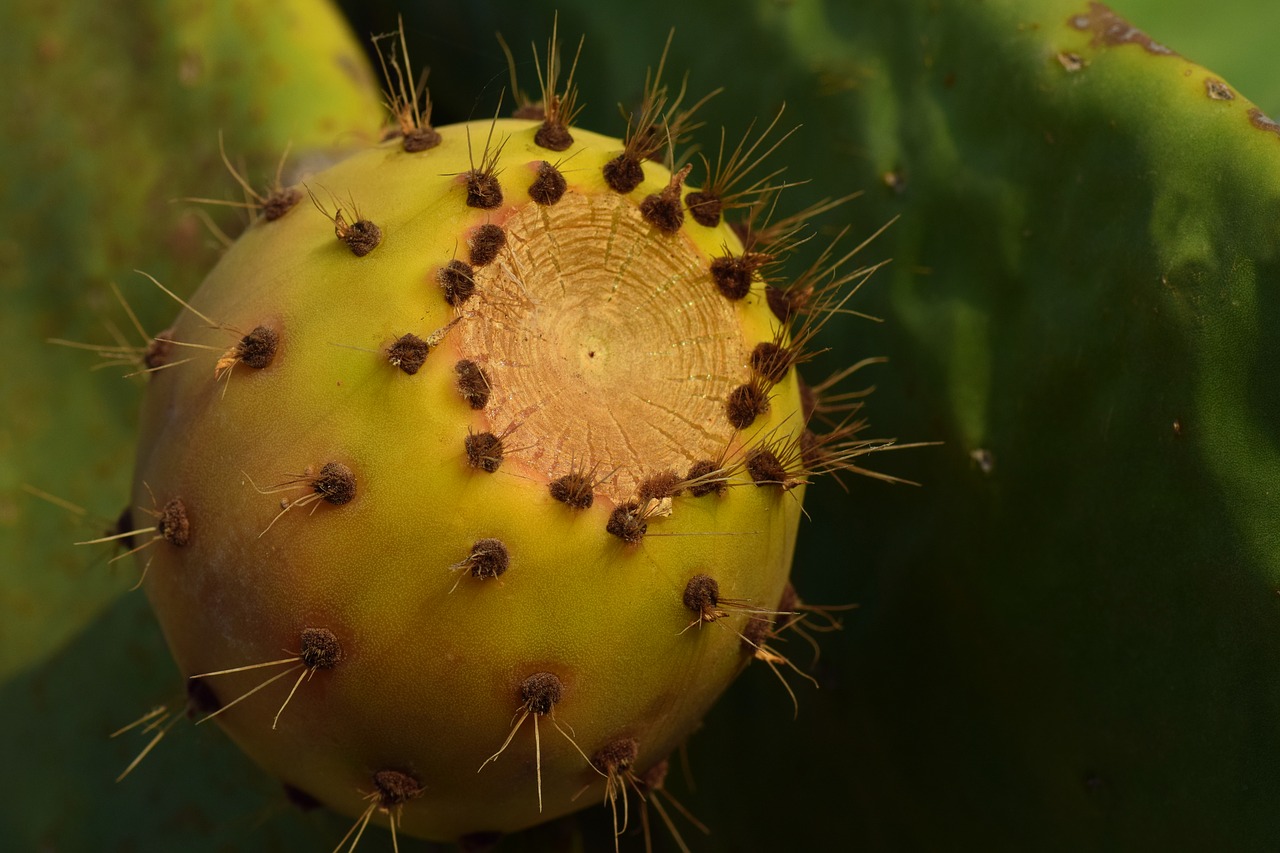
(500,438)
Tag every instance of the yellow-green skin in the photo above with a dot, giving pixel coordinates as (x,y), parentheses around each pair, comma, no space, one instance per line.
(429,680)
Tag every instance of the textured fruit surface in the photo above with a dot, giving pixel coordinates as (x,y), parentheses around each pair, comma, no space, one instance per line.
(327,474)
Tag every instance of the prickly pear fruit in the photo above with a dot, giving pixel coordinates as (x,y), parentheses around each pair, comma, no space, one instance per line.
(475,476)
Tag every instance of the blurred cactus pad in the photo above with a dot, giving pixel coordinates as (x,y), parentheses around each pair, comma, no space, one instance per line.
(1068,635)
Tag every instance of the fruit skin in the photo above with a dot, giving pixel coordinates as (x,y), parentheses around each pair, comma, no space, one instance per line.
(432,663)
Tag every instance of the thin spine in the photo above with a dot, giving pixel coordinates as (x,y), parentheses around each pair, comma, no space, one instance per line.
(388,797)
(172,526)
(762,651)
(228,357)
(277,202)
(826,404)
(483,189)
(359,234)
(651,788)
(560,109)
(403,95)
(759,228)
(320,650)
(526,107)
(160,720)
(334,484)
(122,352)
(659,123)
(537,690)
(719,193)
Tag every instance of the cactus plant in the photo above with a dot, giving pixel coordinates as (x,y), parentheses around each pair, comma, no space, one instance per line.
(1010,688)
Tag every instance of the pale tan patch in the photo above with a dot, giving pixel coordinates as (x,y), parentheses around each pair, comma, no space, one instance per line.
(606,342)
